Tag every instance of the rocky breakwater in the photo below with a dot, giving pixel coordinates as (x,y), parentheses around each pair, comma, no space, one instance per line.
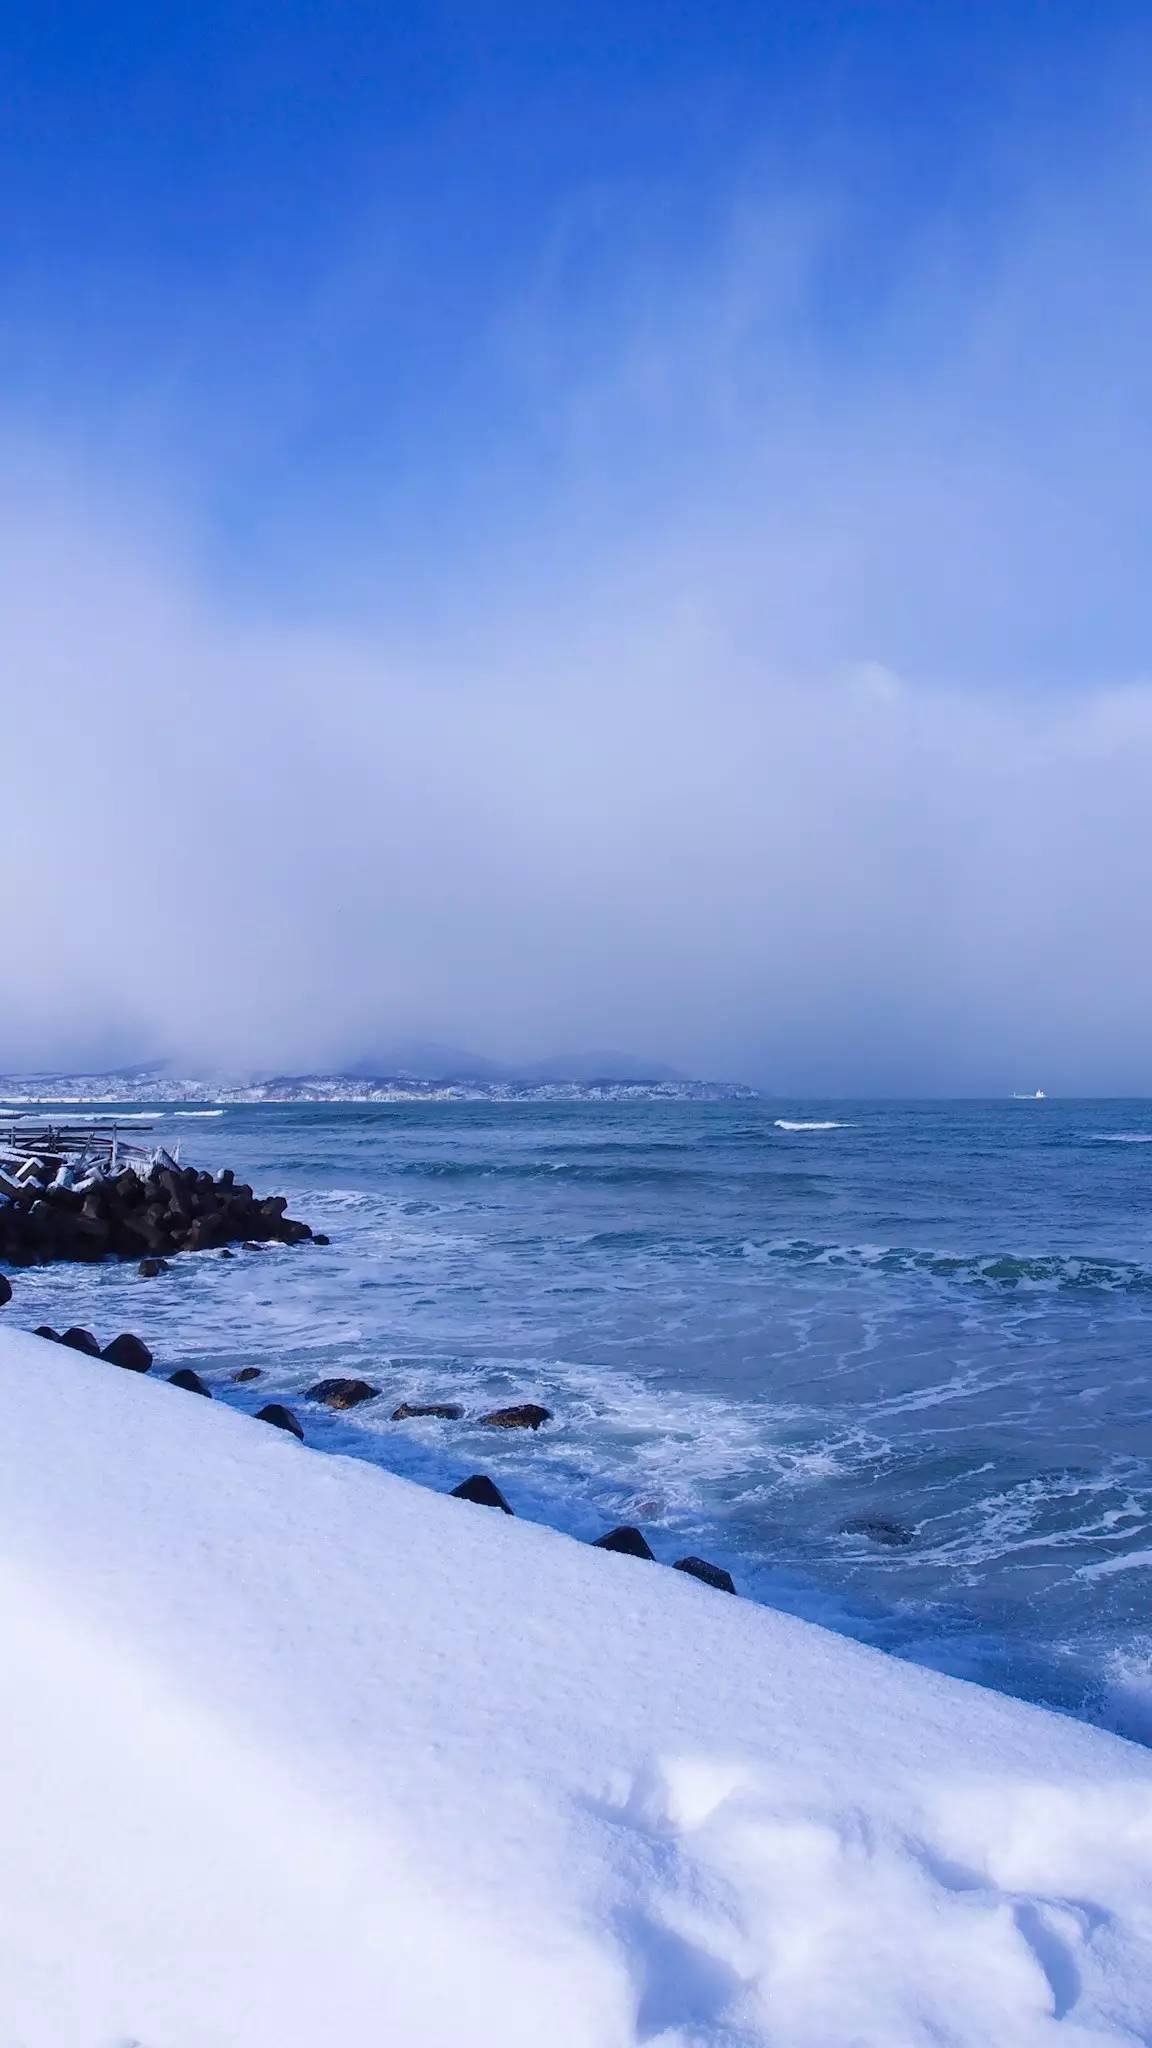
(137,1214)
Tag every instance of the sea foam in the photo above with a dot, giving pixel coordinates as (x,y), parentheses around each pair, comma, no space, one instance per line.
(783,1124)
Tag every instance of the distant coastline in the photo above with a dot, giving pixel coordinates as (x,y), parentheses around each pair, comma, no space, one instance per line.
(37,1091)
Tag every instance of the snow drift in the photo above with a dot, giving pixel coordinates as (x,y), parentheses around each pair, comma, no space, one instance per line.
(295,1752)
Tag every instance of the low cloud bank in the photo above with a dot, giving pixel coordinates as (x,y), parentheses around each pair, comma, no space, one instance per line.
(241,845)
(790,720)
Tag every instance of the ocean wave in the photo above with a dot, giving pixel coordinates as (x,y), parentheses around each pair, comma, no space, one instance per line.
(197,1112)
(599,1173)
(1125,1700)
(114,1116)
(774,1184)
(1121,1138)
(783,1124)
(999,1270)
(591,1148)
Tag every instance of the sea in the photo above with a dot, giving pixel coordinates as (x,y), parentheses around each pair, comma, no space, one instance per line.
(886,1362)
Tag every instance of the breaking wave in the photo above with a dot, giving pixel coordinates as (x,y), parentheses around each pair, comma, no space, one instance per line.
(783,1124)
(1002,1270)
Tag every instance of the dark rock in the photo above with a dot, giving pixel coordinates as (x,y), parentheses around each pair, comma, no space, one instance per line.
(879,1529)
(127,1351)
(189,1380)
(81,1340)
(148,1268)
(138,1216)
(483,1491)
(5,1289)
(226,1254)
(627,1540)
(280,1418)
(250,1245)
(342,1393)
(527,1416)
(443,1411)
(711,1574)
(318,1237)
(46,1330)
(246,1372)
(206,1234)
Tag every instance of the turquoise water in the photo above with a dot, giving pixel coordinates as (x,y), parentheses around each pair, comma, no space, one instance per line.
(933,1314)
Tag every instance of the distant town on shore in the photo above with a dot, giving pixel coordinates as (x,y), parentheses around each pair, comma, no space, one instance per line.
(160,1084)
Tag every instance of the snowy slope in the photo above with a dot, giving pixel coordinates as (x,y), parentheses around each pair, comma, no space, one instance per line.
(297,1755)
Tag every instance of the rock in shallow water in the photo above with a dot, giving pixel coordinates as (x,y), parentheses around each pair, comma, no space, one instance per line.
(149,1268)
(81,1340)
(5,1289)
(443,1411)
(483,1491)
(711,1574)
(127,1351)
(189,1380)
(527,1416)
(281,1418)
(879,1529)
(342,1393)
(246,1372)
(627,1540)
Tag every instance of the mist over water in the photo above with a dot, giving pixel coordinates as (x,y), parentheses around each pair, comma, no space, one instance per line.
(755,1323)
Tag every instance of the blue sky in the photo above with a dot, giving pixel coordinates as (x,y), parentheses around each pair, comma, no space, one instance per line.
(495,370)
(317,261)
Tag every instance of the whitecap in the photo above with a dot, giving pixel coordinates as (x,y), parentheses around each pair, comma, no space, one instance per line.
(1106,1568)
(122,1116)
(782,1124)
(1122,1137)
(197,1112)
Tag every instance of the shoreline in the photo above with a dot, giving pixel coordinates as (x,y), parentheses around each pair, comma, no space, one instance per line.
(486,1782)
(422,1296)
(556,1490)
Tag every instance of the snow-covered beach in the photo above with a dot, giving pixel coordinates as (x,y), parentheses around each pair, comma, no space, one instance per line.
(298,1752)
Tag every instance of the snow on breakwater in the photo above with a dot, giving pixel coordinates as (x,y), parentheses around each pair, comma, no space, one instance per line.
(509,1790)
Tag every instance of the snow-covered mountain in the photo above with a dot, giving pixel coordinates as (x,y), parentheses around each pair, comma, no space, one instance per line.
(165,1084)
